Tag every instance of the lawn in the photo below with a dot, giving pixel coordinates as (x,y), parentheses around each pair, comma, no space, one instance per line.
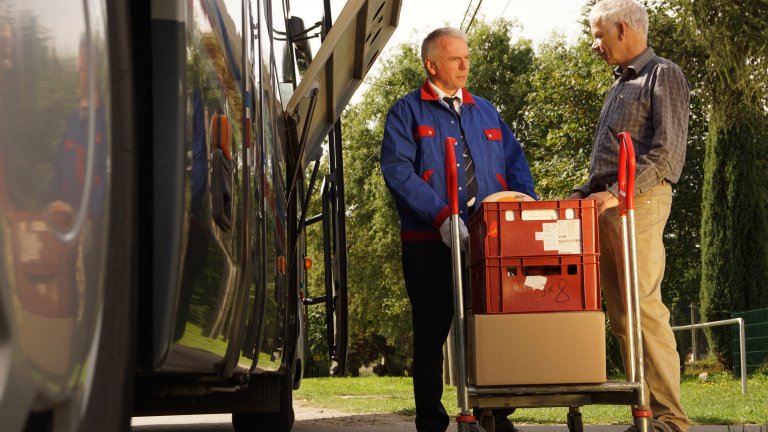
(715,401)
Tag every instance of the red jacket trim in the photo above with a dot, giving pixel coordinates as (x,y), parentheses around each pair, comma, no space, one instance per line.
(503,182)
(409,236)
(427,174)
(441,217)
(428,93)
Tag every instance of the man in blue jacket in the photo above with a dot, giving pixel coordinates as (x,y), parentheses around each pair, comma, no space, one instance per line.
(489,159)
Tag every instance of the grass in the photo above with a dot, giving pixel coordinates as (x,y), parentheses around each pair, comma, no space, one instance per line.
(716,401)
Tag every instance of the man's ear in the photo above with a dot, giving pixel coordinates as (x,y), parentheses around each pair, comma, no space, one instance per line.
(431,67)
(621,27)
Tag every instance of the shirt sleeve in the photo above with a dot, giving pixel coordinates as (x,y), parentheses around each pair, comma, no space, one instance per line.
(670,99)
(517,173)
(398,166)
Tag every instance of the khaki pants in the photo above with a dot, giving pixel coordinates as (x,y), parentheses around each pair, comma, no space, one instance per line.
(662,363)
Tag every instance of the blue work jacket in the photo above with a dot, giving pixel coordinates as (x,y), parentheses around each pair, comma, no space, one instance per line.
(413,158)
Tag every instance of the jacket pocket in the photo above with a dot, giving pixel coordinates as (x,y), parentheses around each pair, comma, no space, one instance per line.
(492,134)
(424,132)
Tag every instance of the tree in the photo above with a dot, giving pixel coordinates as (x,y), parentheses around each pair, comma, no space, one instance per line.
(671,38)
(734,224)
(567,89)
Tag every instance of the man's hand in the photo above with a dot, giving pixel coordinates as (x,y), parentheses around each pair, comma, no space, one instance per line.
(445,234)
(605,200)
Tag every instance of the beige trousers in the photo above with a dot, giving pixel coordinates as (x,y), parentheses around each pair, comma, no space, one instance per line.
(662,363)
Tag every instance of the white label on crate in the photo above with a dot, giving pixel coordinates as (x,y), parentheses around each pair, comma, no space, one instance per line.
(549,236)
(570,213)
(509,215)
(535,215)
(536,282)
(31,246)
(564,236)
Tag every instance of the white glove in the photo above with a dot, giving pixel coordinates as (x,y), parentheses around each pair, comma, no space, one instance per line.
(445,233)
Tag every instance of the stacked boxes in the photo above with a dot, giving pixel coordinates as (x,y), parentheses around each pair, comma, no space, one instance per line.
(534,256)
(537,315)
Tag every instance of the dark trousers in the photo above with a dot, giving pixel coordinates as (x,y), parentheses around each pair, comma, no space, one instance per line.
(427,272)
(428,280)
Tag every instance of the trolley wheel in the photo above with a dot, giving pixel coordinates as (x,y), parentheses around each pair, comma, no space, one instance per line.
(470,427)
(487,420)
(575,423)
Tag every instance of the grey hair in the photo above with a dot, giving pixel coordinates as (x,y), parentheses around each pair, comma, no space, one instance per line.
(632,12)
(429,46)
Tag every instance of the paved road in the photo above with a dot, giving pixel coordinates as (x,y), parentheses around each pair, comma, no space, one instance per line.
(310,419)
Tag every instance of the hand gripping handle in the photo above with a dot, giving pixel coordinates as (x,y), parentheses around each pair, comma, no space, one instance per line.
(626,174)
(451,178)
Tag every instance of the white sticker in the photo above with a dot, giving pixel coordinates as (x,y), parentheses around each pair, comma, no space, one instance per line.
(563,236)
(536,282)
(550,234)
(569,236)
(31,246)
(509,215)
(534,215)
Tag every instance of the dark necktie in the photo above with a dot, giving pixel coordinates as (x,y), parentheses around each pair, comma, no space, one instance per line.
(469,164)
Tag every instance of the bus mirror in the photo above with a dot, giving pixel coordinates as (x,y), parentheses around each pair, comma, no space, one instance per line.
(301,42)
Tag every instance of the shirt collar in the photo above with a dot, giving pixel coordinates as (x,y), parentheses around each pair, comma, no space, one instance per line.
(429,92)
(635,66)
(441,94)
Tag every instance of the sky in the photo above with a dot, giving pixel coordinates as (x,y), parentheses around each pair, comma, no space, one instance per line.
(538,18)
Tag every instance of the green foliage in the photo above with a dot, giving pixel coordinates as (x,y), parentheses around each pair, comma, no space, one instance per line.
(500,68)
(567,88)
(715,401)
(671,38)
(552,99)
(734,221)
(41,91)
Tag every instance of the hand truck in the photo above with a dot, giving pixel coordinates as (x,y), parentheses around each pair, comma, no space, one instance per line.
(573,396)
(465,421)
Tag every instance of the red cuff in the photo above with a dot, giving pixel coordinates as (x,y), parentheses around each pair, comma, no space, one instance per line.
(441,217)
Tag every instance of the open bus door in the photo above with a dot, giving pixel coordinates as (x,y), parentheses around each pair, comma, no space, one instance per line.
(349,49)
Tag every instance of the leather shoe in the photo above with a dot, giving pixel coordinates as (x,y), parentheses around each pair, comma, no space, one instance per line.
(673,426)
(505,425)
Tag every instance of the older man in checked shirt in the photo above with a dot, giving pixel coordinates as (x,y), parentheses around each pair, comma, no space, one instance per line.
(648,99)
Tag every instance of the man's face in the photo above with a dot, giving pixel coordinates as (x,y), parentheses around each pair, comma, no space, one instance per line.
(450,70)
(607,44)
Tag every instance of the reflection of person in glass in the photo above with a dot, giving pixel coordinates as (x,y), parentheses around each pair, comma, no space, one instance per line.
(71,161)
(68,188)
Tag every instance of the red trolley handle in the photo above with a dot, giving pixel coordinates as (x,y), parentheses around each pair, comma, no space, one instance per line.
(626,174)
(451,178)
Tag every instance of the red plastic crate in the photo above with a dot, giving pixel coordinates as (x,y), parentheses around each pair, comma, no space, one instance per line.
(533,228)
(536,284)
(44,268)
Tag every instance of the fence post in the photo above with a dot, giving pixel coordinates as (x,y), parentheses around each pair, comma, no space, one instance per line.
(694,345)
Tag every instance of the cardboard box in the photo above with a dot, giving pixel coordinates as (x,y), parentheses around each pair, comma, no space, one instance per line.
(537,348)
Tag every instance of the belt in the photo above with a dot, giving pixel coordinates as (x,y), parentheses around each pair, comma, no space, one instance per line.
(600,187)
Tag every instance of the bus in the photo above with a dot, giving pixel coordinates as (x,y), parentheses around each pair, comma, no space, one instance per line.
(157,161)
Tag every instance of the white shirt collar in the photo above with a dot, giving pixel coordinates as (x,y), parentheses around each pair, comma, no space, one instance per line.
(441,94)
